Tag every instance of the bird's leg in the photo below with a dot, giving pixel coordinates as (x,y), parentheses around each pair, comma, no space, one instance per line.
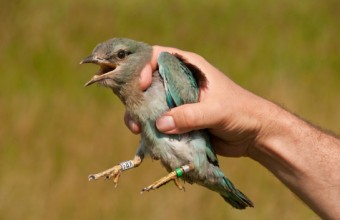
(116,171)
(174,175)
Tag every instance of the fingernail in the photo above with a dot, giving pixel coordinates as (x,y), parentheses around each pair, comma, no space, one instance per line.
(165,123)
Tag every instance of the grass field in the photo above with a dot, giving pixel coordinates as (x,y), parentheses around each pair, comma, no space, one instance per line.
(54,132)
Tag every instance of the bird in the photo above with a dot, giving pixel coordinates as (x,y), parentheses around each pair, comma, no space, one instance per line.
(188,156)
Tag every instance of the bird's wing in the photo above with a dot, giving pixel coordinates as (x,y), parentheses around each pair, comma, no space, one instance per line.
(181,87)
(179,82)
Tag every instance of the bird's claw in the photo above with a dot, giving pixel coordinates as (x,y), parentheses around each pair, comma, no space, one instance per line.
(161,182)
(91,177)
(178,184)
(113,172)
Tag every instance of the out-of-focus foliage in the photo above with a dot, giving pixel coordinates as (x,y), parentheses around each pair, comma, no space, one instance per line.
(54,132)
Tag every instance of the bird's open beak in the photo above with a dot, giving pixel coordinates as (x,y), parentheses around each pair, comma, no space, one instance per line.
(89,59)
(106,68)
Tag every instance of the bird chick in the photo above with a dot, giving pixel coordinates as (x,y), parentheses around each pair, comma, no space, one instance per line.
(187,156)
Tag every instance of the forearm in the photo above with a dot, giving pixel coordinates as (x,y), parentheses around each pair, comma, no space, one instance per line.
(304,158)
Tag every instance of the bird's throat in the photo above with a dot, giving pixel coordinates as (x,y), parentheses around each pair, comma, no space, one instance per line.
(130,94)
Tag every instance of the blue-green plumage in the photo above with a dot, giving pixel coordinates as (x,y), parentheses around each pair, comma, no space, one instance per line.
(173,85)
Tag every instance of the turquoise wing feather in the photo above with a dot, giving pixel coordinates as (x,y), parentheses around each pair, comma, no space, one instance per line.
(180,87)
(179,82)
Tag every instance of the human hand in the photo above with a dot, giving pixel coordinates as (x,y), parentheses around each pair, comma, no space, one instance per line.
(233,115)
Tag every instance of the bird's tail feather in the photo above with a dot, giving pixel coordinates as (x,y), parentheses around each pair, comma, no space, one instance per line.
(235,197)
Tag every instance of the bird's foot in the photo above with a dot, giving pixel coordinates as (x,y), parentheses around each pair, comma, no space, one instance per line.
(161,182)
(113,172)
(179,185)
(117,170)
(174,175)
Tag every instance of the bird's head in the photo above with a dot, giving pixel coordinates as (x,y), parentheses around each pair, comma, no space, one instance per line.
(120,59)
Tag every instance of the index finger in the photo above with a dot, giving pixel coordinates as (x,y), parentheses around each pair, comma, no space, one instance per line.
(150,67)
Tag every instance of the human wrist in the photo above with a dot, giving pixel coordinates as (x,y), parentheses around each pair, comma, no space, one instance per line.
(275,135)
(284,144)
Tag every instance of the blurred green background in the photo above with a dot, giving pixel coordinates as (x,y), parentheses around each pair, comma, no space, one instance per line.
(54,132)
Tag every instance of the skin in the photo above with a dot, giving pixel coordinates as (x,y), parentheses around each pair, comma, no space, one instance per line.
(304,158)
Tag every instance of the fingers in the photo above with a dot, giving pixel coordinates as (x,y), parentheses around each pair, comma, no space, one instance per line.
(146,73)
(159,49)
(146,77)
(186,118)
(132,125)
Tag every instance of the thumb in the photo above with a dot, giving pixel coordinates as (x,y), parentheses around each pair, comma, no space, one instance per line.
(185,118)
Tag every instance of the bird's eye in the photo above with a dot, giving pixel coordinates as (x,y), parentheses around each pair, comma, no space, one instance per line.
(121,54)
